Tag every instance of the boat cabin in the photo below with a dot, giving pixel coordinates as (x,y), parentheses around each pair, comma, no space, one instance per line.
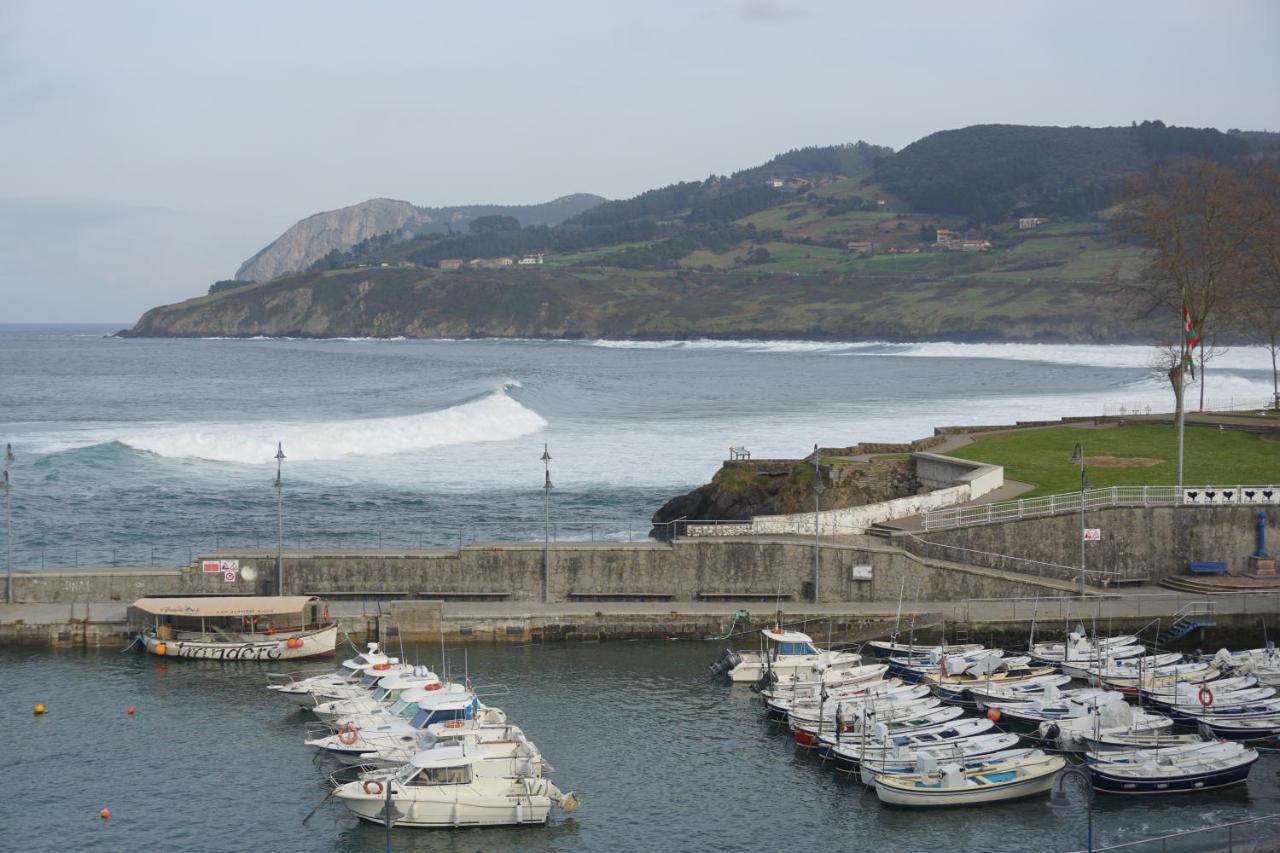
(444,702)
(446,766)
(229,619)
(783,643)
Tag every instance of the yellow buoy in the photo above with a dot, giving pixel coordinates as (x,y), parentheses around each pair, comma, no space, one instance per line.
(37,709)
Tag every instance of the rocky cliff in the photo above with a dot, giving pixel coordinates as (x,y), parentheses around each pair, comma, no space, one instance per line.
(314,237)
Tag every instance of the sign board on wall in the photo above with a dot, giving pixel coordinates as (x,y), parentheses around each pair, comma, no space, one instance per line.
(229,576)
(859,573)
(1093,534)
(212,567)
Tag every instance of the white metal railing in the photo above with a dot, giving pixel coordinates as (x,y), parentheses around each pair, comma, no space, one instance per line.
(913,544)
(1114,496)
(1251,834)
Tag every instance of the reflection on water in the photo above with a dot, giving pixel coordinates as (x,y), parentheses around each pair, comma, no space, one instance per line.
(663,759)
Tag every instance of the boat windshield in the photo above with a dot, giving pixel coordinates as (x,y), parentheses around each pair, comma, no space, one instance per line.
(795,649)
(381,693)
(370,680)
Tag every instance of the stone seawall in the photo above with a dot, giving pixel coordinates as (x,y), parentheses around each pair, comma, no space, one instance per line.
(1136,541)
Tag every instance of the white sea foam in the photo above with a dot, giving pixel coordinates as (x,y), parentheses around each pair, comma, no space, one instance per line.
(493,417)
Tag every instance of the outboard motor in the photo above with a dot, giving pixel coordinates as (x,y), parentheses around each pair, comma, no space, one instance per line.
(728,660)
(1050,732)
(767,680)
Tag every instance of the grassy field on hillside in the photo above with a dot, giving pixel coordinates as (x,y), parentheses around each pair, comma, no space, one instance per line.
(1134,455)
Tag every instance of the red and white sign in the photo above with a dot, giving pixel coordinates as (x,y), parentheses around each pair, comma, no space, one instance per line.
(1093,534)
(229,576)
(210,567)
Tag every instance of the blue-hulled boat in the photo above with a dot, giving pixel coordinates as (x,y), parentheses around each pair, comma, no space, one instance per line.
(1150,772)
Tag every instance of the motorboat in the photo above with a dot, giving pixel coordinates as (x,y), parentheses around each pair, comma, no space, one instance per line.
(935,722)
(1129,741)
(383,694)
(1053,704)
(833,677)
(443,788)
(1214,765)
(351,741)
(889,648)
(1017,691)
(1243,704)
(952,786)
(1106,718)
(1125,668)
(297,687)
(1185,694)
(1078,649)
(780,707)
(808,721)
(937,660)
(1263,664)
(783,654)
(1242,728)
(955,687)
(235,628)
(500,742)
(1163,678)
(881,741)
(966,752)
(919,717)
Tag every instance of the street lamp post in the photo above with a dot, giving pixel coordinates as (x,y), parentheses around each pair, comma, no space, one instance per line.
(818,489)
(280,457)
(546,533)
(1078,456)
(8,525)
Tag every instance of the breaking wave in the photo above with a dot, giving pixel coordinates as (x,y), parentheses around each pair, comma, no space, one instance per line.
(492,417)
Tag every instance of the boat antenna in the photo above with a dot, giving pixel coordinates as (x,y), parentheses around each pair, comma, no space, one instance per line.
(444,664)
(1035,611)
(897,621)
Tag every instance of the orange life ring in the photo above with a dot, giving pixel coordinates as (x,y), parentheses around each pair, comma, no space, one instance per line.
(454,724)
(381,666)
(435,685)
(1206,696)
(375,784)
(348,733)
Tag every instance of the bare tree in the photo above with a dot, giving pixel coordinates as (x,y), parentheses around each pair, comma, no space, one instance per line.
(1259,318)
(1188,214)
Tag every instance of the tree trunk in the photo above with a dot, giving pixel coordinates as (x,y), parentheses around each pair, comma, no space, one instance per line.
(1275,374)
(1202,382)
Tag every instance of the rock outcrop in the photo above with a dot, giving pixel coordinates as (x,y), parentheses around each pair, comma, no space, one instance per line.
(314,237)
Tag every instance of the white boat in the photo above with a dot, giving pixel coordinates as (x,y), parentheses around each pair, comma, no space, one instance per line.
(351,742)
(499,742)
(1109,718)
(895,691)
(881,741)
(384,693)
(442,788)
(834,677)
(1185,694)
(1124,668)
(1263,664)
(1056,705)
(235,628)
(1214,765)
(1017,691)
(1078,649)
(951,786)
(297,687)
(784,654)
(984,747)
(1129,741)
(1163,678)
(887,648)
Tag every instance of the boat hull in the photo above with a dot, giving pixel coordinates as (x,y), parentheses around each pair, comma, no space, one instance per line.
(454,813)
(946,798)
(318,643)
(1112,783)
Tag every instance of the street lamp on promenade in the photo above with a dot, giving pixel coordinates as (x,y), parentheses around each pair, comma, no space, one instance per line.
(8,525)
(280,457)
(818,489)
(1078,456)
(546,533)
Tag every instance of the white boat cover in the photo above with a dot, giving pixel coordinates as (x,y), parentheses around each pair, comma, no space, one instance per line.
(251,605)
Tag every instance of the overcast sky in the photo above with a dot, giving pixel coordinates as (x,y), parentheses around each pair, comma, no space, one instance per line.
(148,148)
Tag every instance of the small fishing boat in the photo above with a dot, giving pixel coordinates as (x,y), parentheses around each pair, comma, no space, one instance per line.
(297,687)
(809,721)
(1215,765)
(442,788)
(1018,691)
(967,752)
(919,718)
(833,677)
(383,694)
(934,661)
(951,786)
(783,654)
(888,648)
(1107,719)
(881,741)
(1164,678)
(1242,704)
(1242,728)
(1127,668)
(1185,694)
(1078,649)
(235,628)
(1129,741)
(1056,705)
(1263,664)
(779,707)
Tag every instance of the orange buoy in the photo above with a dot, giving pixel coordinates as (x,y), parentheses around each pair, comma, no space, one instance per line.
(161,648)
(104,814)
(37,708)
(993,714)
(435,685)
(129,710)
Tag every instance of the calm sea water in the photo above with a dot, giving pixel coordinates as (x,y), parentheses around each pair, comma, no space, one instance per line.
(663,758)
(138,451)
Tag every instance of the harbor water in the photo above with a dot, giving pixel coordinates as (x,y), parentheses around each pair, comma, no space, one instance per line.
(663,757)
(134,452)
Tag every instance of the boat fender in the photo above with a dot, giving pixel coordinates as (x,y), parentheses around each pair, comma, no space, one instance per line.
(372,787)
(1205,696)
(454,724)
(435,685)
(326,614)
(348,733)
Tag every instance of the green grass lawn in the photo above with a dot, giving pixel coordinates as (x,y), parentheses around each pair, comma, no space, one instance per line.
(1043,457)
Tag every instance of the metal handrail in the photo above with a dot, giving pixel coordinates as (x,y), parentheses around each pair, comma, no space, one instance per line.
(1059,570)
(1185,832)
(1112,496)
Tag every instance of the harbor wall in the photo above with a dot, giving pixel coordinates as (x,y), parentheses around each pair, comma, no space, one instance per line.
(1136,541)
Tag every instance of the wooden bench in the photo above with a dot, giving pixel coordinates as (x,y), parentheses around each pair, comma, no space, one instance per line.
(736,453)
(621,596)
(1207,567)
(707,595)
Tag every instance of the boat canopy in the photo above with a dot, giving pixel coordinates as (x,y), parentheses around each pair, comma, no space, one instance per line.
(225,606)
(449,756)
